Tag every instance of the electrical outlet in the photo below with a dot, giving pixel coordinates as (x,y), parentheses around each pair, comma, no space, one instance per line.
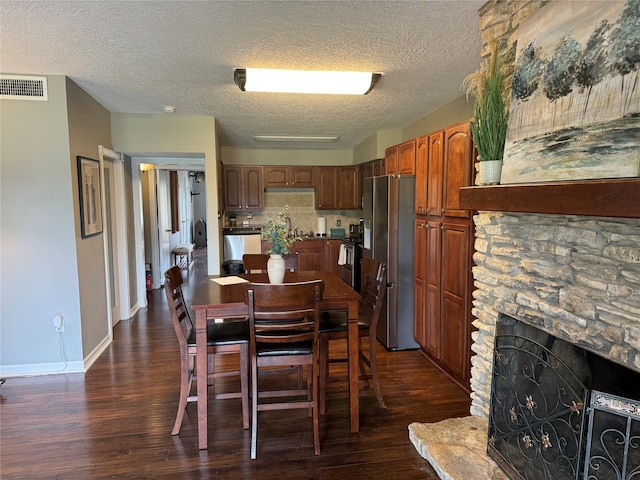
(58,323)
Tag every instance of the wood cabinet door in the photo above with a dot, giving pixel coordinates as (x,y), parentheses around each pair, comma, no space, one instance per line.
(455,302)
(349,193)
(276,177)
(331,252)
(420,282)
(379,167)
(253,190)
(432,297)
(366,169)
(301,177)
(391,160)
(326,188)
(310,254)
(422,147)
(407,157)
(233,187)
(458,166)
(435,165)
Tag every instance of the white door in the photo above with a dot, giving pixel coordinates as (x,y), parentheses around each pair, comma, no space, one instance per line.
(185,207)
(164,220)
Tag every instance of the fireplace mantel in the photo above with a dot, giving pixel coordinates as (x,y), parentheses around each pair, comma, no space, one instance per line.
(600,198)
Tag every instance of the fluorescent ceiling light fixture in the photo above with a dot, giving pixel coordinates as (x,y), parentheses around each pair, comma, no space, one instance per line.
(295,138)
(303,81)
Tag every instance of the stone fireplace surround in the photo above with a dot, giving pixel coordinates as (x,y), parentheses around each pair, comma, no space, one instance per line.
(575,277)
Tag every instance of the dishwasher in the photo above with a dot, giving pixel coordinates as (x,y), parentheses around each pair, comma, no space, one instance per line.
(236,241)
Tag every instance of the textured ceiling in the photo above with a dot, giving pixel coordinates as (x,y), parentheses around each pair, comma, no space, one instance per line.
(137,56)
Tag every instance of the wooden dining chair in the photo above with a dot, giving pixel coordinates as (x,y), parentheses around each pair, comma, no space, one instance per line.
(222,338)
(334,326)
(283,327)
(255,262)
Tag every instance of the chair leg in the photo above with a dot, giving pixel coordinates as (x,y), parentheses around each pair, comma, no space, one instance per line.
(186,378)
(254,408)
(323,372)
(373,367)
(244,383)
(316,426)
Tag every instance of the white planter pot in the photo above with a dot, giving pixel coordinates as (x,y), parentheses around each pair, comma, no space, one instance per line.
(275,269)
(489,172)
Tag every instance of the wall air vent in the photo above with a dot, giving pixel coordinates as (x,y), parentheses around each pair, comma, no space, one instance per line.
(20,87)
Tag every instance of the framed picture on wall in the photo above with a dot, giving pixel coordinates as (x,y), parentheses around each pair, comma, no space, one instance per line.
(90,196)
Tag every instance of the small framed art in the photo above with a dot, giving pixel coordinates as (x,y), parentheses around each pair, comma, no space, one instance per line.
(90,196)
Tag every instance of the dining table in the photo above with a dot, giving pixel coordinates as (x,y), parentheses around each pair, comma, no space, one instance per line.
(223,297)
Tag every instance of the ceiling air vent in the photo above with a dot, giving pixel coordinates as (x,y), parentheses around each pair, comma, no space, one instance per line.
(20,87)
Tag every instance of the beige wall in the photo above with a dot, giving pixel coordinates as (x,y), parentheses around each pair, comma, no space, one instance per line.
(89,126)
(273,156)
(37,242)
(459,110)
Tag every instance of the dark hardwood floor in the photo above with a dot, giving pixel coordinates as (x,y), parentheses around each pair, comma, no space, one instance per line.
(115,420)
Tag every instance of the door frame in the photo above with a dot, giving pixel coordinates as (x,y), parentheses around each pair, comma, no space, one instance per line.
(121,263)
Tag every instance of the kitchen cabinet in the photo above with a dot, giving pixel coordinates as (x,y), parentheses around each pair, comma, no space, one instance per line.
(422,147)
(243,190)
(331,253)
(288,176)
(310,254)
(391,160)
(443,251)
(372,168)
(450,166)
(338,188)
(401,158)
(326,188)
(349,193)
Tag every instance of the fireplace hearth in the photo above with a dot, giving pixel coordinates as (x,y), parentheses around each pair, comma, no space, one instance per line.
(546,421)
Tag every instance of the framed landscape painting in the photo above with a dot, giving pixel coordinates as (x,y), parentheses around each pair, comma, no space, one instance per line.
(90,196)
(575,101)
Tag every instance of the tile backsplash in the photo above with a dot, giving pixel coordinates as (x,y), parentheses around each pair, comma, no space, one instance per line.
(302,211)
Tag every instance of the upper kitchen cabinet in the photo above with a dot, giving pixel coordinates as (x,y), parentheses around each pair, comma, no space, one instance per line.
(291,176)
(338,188)
(449,167)
(243,190)
(326,188)
(372,168)
(401,159)
(391,160)
(422,147)
(349,188)
(458,168)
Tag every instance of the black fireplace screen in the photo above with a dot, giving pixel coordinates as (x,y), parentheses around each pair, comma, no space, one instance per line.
(613,441)
(538,403)
(539,425)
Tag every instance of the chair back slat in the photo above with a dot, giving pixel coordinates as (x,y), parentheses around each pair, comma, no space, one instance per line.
(373,290)
(284,313)
(181,319)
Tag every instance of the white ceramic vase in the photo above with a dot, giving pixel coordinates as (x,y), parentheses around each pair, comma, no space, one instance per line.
(489,172)
(275,268)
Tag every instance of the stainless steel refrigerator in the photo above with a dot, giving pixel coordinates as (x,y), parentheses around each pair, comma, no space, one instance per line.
(389,213)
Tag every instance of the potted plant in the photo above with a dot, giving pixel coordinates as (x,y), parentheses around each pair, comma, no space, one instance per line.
(277,234)
(491,89)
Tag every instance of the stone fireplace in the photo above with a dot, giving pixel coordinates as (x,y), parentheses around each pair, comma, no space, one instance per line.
(563,258)
(575,277)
